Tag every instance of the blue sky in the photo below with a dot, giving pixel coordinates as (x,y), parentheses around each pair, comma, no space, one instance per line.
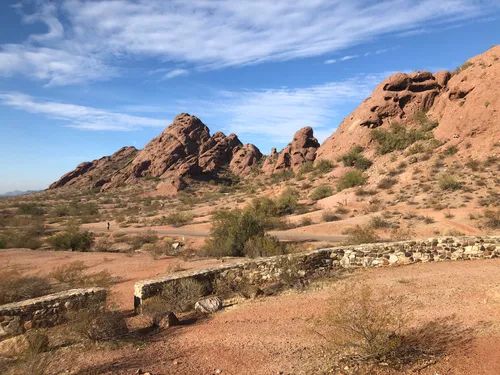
(79,79)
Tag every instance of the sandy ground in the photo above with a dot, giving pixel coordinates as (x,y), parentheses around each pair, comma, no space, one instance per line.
(278,335)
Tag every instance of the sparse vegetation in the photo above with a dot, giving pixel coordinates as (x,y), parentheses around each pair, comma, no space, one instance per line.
(178,219)
(492,218)
(360,235)
(400,137)
(72,239)
(328,216)
(351,179)
(98,324)
(387,183)
(379,330)
(449,182)
(179,295)
(355,158)
(321,192)
(15,286)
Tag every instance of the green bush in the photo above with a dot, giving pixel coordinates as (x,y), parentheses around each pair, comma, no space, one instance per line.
(287,202)
(3,242)
(351,179)
(360,235)
(144,238)
(178,219)
(306,168)
(231,230)
(31,209)
(73,239)
(398,137)
(452,150)
(321,192)
(449,182)
(263,246)
(323,166)
(355,158)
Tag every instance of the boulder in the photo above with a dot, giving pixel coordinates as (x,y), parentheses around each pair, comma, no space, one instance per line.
(208,305)
(165,320)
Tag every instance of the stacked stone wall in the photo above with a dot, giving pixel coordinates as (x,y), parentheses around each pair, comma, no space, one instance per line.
(265,271)
(47,311)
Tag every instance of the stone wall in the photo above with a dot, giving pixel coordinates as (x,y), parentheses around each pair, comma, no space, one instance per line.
(266,271)
(46,311)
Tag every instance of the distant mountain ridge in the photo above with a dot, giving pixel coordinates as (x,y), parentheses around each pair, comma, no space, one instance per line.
(17,193)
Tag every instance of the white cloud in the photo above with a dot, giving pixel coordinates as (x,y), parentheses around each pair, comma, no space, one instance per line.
(77,116)
(98,35)
(176,73)
(278,113)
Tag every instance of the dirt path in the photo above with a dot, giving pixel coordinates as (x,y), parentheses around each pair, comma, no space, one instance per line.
(281,235)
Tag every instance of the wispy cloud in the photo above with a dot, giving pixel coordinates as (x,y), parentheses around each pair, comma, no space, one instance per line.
(76,116)
(259,114)
(278,113)
(87,40)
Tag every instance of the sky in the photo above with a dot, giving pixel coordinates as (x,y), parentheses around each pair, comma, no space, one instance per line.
(80,79)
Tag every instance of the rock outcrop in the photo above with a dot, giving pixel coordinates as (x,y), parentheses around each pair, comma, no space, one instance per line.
(397,98)
(184,149)
(301,150)
(98,172)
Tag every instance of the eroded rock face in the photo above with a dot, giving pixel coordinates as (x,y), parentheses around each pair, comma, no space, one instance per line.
(397,98)
(96,173)
(245,158)
(301,150)
(184,149)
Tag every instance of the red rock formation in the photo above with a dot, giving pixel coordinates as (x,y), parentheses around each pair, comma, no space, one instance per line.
(96,173)
(301,150)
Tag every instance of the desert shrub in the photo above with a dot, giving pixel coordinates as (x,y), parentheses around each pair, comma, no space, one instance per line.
(231,230)
(378,329)
(387,183)
(17,287)
(351,179)
(181,295)
(417,148)
(323,166)
(355,158)
(71,273)
(463,67)
(330,216)
(149,237)
(306,168)
(492,218)
(73,239)
(361,235)
(402,234)
(31,209)
(378,222)
(321,191)
(74,276)
(36,358)
(263,246)
(452,150)
(263,207)
(178,219)
(287,202)
(305,221)
(3,242)
(449,182)
(398,137)
(28,239)
(281,176)
(97,324)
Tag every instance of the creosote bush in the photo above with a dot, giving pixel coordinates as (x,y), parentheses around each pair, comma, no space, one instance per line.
(355,158)
(98,324)
(72,239)
(492,218)
(360,235)
(330,216)
(322,191)
(16,287)
(177,296)
(178,219)
(400,137)
(351,179)
(449,182)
